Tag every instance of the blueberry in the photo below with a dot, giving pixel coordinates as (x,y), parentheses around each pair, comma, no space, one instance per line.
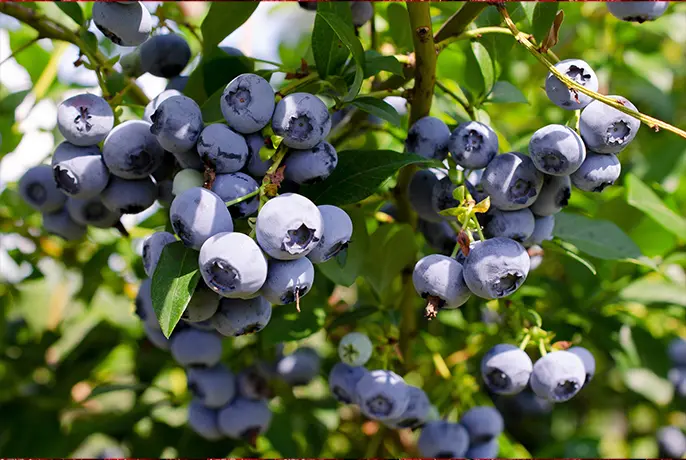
(165,55)
(198,214)
(300,367)
(442,196)
(152,250)
(247,103)
(554,195)
(677,351)
(528,403)
(312,165)
(512,181)
(355,349)
(253,382)
(187,179)
(338,230)
(517,225)
(129,196)
(597,172)
(166,170)
(309,5)
(382,395)
(130,151)
(193,347)
(68,151)
(588,361)
(155,103)
(236,317)
(420,193)
(496,268)
(440,236)
(506,369)
(483,424)
(485,450)
(235,185)
(440,277)
(677,376)
(124,24)
(428,137)
(92,211)
(213,386)
(204,421)
(61,224)
(85,119)
(557,150)
(289,227)
(222,148)
(178,83)
(568,98)
(558,376)
(543,231)
(473,145)
(177,124)
(232,264)
(474,185)
(416,413)
(155,336)
(245,419)
(441,439)
(189,160)
(37,188)
(302,120)
(362,12)
(605,129)
(637,11)
(288,281)
(343,381)
(255,166)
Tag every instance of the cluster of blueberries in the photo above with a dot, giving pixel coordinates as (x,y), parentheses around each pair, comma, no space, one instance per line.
(224,404)
(384,396)
(525,191)
(556,377)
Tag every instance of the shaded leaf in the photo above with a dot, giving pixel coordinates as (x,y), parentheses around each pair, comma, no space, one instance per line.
(352,316)
(375,63)
(173,284)
(330,53)
(401,32)
(346,273)
(379,108)
(359,174)
(483,59)
(646,383)
(391,248)
(598,238)
(222,19)
(73,10)
(506,92)
(568,249)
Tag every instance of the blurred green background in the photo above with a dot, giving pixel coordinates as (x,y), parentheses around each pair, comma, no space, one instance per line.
(77,374)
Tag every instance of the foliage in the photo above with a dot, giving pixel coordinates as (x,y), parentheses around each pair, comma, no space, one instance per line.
(77,374)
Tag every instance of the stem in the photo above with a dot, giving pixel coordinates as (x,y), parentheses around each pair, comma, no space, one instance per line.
(372,29)
(278,158)
(460,100)
(472,33)
(243,198)
(541,348)
(385,93)
(292,86)
(422,96)
(458,22)
(478,228)
(525,342)
(522,38)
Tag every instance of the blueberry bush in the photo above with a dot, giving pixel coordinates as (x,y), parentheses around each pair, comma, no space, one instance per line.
(442,229)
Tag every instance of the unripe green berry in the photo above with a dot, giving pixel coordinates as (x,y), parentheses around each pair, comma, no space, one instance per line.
(187,179)
(355,349)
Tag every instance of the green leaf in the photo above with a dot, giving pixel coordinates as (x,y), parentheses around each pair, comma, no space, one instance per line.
(504,92)
(359,174)
(211,109)
(346,273)
(352,316)
(646,383)
(598,238)
(347,36)
(330,53)
(568,249)
(650,290)
(401,31)
(391,248)
(375,63)
(542,19)
(34,58)
(640,196)
(222,19)
(73,10)
(379,108)
(485,63)
(173,284)
(212,75)
(11,136)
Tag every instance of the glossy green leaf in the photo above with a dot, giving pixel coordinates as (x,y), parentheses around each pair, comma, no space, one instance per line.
(486,66)
(73,10)
(401,32)
(379,108)
(359,174)
(391,248)
(542,18)
(598,238)
(375,63)
(329,50)
(505,92)
(173,284)
(222,19)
